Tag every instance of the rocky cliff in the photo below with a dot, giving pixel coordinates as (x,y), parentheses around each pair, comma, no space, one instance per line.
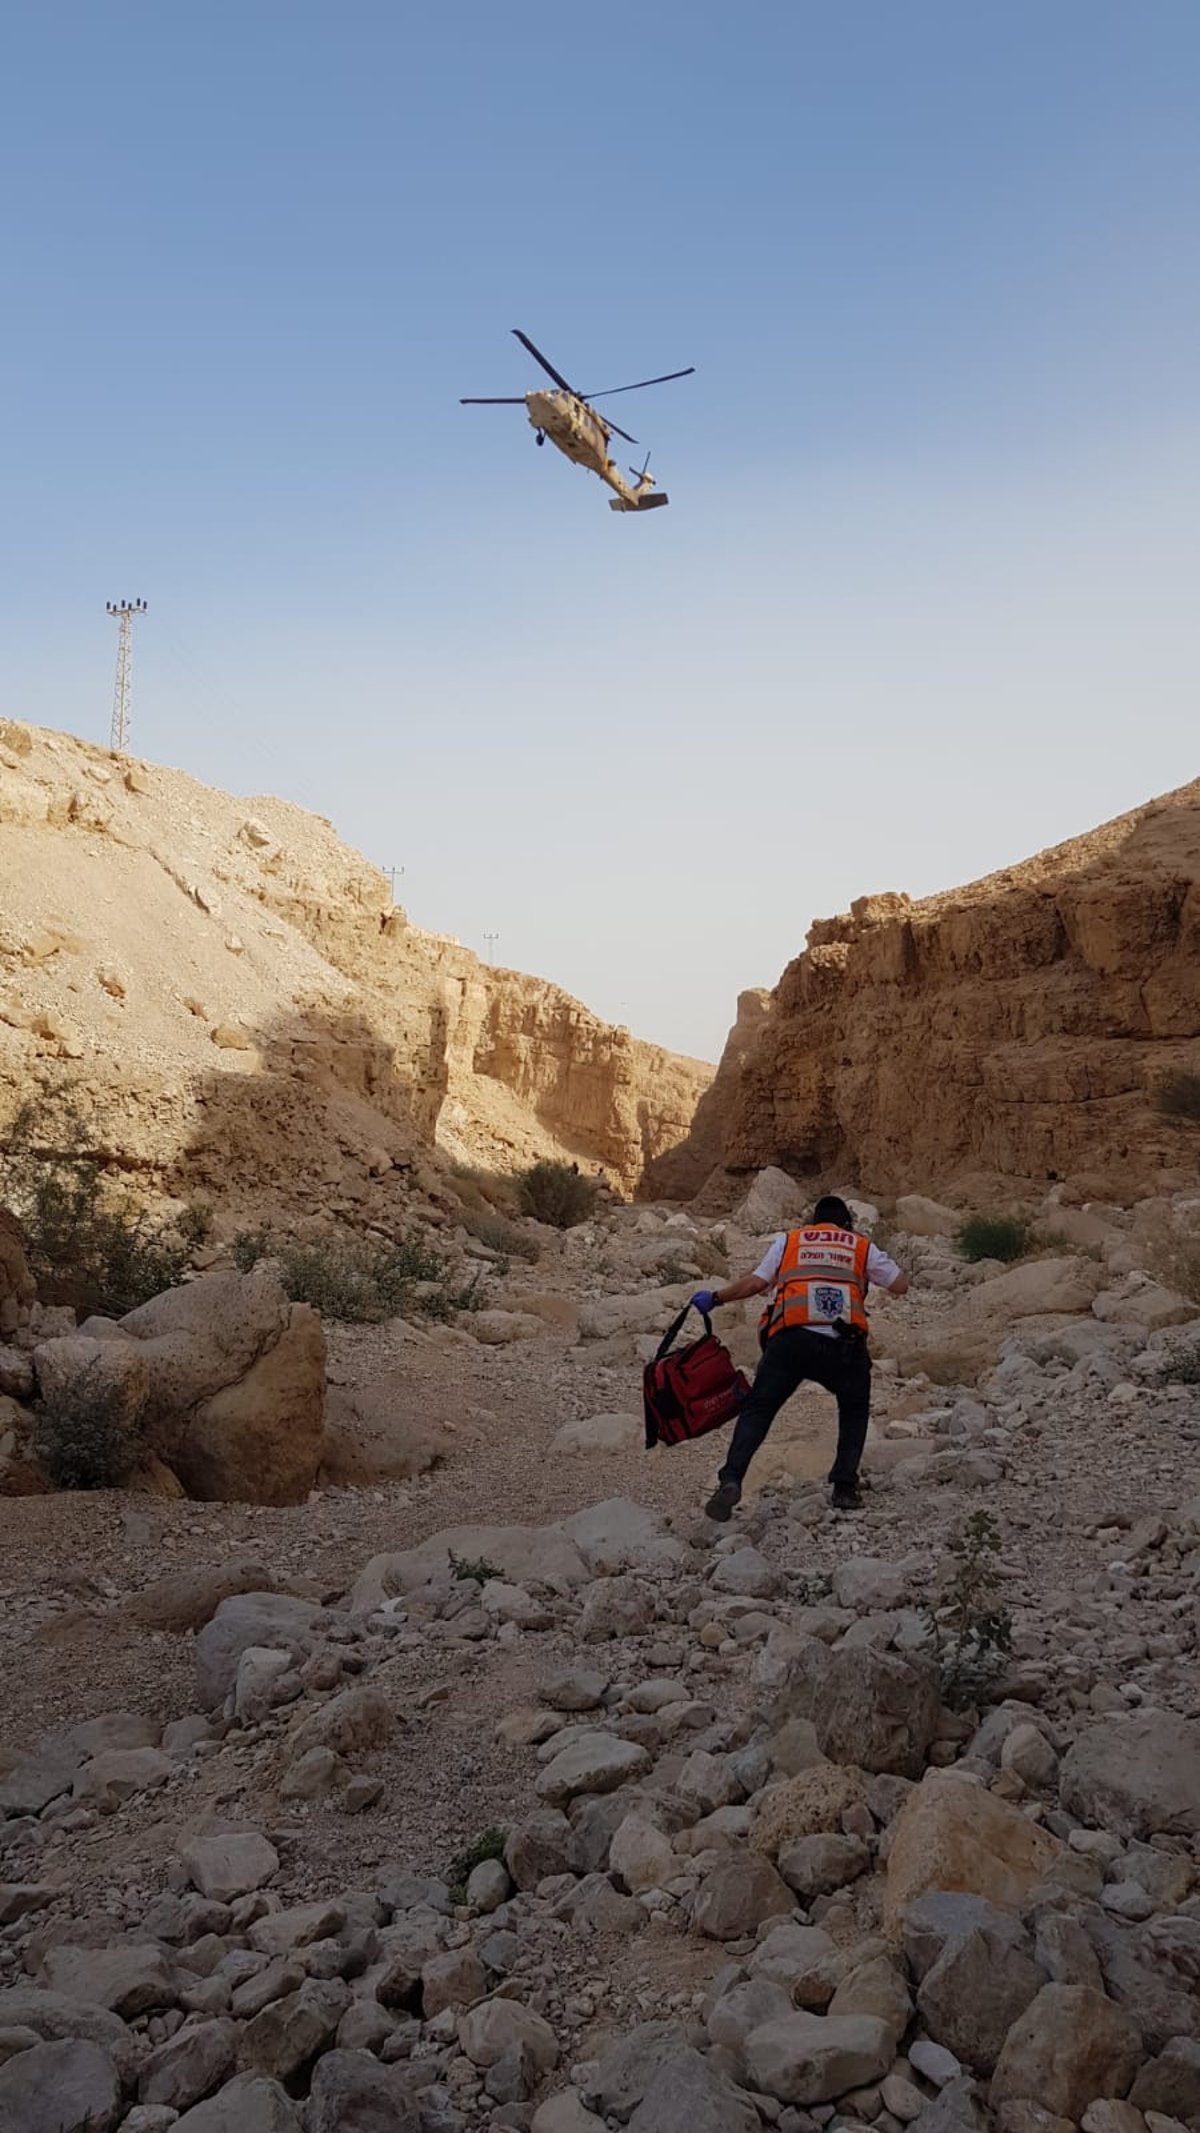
(228,989)
(1020,1026)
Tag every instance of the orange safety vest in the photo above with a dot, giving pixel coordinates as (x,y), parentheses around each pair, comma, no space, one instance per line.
(822,1280)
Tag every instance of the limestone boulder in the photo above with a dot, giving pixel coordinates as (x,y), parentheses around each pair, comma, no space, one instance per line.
(1036,1287)
(689,2095)
(66,2087)
(352,2093)
(926,1218)
(591,1762)
(230,1864)
(774,1201)
(51,1765)
(1071,2047)
(129,1978)
(235,1377)
(811,1803)
(619,1536)
(523,1555)
(1136,1774)
(738,1896)
(812,2059)
(250,2103)
(870,1708)
(245,1622)
(972,1995)
(189,1598)
(378,1432)
(951,1834)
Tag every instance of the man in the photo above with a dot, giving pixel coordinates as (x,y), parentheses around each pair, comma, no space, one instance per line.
(815,1327)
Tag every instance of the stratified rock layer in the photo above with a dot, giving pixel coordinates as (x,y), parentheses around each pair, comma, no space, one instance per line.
(1021,1025)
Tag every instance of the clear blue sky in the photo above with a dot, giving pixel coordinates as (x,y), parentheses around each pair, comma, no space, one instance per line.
(925,597)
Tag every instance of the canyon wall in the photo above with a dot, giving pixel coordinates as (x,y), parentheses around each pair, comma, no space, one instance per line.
(229,994)
(1018,1027)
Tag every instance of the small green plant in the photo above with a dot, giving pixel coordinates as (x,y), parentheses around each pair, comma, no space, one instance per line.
(478,1569)
(83,1438)
(87,1247)
(557,1193)
(196,1223)
(359,1279)
(972,1635)
(1178,1095)
(489,1845)
(1002,1237)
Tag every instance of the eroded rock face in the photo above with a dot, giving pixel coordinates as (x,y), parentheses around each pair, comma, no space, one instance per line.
(1028,1018)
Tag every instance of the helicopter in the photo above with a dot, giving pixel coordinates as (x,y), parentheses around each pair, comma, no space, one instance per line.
(569,420)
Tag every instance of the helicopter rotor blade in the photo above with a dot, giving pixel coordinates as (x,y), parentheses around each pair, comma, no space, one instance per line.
(549,369)
(611,427)
(641,384)
(519,401)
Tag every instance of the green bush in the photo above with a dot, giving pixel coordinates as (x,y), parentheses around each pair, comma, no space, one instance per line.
(993,1237)
(557,1193)
(501,1235)
(477,1569)
(490,1845)
(971,1634)
(87,1249)
(1178,1095)
(360,1279)
(83,1440)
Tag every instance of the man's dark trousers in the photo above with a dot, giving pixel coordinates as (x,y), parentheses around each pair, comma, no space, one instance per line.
(790,1357)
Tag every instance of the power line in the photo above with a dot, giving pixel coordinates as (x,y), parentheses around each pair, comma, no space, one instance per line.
(124,612)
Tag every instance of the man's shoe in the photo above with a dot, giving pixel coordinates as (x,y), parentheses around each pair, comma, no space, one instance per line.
(723,1501)
(848,1500)
(863,1482)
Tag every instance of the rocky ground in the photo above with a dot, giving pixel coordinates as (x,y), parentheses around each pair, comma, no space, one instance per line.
(738,1860)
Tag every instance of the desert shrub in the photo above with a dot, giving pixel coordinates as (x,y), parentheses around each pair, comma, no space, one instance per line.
(86,1248)
(1178,1095)
(557,1193)
(1174,1257)
(475,1570)
(489,1845)
(83,1439)
(1003,1237)
(360,1279)
(501,1235)
(971,1634)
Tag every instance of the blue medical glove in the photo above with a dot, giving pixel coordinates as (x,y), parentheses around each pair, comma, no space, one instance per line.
(704,1301)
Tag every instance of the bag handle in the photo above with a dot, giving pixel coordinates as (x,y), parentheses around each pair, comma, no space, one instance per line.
(669,1337)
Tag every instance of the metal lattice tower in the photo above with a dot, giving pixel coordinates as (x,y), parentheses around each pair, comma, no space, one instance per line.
(124,611)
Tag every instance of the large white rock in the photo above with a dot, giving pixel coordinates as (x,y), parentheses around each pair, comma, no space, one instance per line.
(620,1535)
(1039,1286)
(231,1864)
(1136,1774)
(592,1762)
(926,1218)
(807,2058)
(543,1554)
(774,1201)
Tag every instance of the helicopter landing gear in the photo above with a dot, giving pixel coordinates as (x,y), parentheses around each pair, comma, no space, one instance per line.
(541,436)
